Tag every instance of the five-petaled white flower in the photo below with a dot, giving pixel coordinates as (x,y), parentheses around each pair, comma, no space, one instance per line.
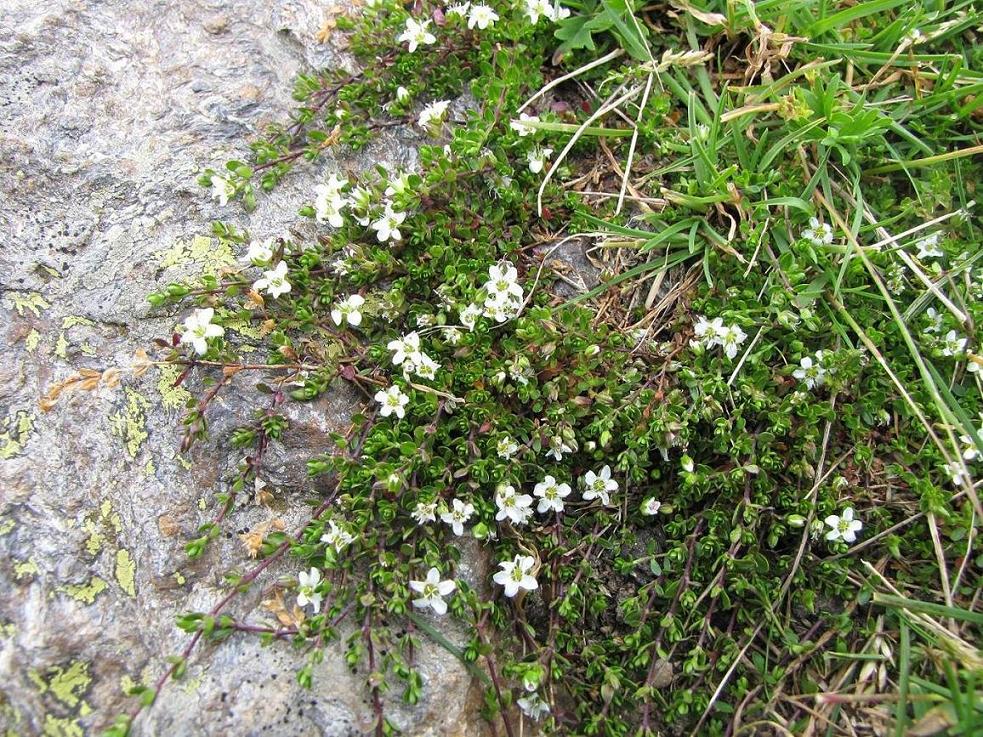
(844,526)
(731,340)
(328,202)
(558,448)
(506,447)
(459,513)
(337,537)
(416,34)
(551,495)
(424,366)
(392,401)
(928,247)
(517,508)
(461,9)
(957,472)
(819,234)
(222,189)
(469,316)
(515,575)
(198,328)
(953,345)
(406,348)
(387,227)
(348,309)
(260,252)
(425,512)
(481,16)
(533,706)
(521,126)
(432,592)
(537,158)
(651,506)
(599,485)
(274,281)
(433,114)
(306,590)
(810,372)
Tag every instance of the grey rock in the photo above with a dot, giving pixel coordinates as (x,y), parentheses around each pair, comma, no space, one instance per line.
(108,111)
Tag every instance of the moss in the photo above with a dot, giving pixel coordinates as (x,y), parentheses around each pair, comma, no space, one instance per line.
(172,397)
(130,424)
(32,301)
(86,593)
(126,572)
(15,430)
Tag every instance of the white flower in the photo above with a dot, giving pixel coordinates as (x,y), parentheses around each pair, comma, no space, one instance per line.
(387,227)
(507,448)
(537,158)
(928,247)
(731,339)
(433,114)
(810,372)
(533,706)
(424,366)
(934,320)
(222,189)
(512,506)
(460,9)
(558,448)
(198,328)
(551,495)
(337,537)
(260,253)
(820,234)
(425,512)
(406,348)
(452,335)
(459,513)
(469,315)
(348,309)
(559,12)
(599,486)
(651,506)
(432,592)
(500,311)
(844,526)
(402,94)
(536,9)
(416,34)
(398,185)
(520,127)
(502,285)
(274,281)
(969,450)
(481,16)
(306,593)
(953,344)
(328,202)
(957,473)
(515,575)
(392,401)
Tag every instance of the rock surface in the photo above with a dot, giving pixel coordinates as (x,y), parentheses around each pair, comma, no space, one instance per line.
(108,110)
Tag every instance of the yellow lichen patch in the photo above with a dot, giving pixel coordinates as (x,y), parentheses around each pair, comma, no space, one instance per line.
(72,320)
(212,252)
(55,727)
(32,340)
(7,630)
(130,424)
(126,572)
(149,469)
(61,346)
(14,433)
(25,569)
(88,349)
(172,397)
(244,327)
(6,525)
(86,593)
(97,524)
(32,301)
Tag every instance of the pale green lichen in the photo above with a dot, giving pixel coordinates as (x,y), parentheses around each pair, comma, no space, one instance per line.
(32,340)
(88,349)
(25,569)
(212,252)
(61,346)
(171,397)
(126,572)
(56,727)
(32,301)
(86,593)
(130,424)
(149,469)
(98,524)
(15,430)
(7,630)
(72,320)
(6,525)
